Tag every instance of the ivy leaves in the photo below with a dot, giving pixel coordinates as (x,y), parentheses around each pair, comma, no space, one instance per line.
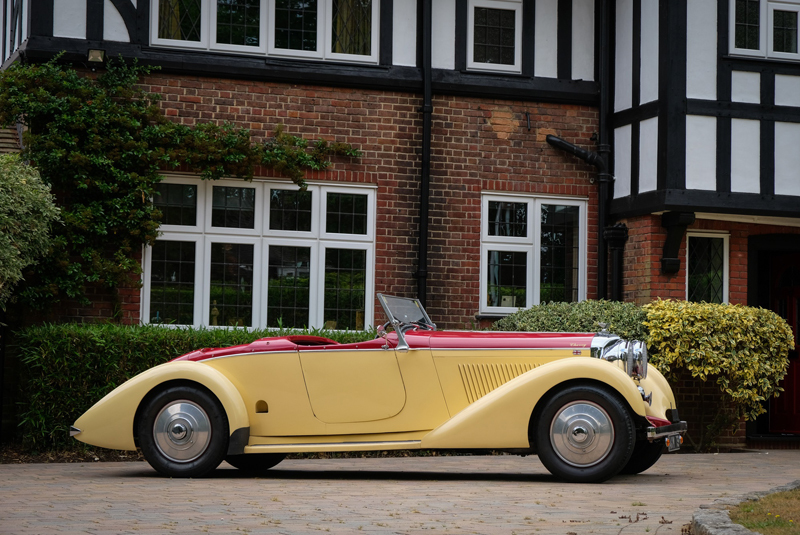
(102,143)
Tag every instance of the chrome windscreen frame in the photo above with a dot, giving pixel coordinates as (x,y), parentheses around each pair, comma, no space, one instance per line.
(612,348)
(404,314)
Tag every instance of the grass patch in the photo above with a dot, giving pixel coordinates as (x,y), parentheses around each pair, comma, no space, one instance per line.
(776,514)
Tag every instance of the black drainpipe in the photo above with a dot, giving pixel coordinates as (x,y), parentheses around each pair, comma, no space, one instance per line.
(604,148)
(424,186)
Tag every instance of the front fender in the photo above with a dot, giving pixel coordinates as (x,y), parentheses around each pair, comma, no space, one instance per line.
(500,419)
(109,423)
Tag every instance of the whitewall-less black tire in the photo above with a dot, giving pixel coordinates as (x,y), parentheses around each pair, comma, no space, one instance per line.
(584,434)
(183,431)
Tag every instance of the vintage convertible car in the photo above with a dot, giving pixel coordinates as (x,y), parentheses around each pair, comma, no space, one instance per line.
(588,404)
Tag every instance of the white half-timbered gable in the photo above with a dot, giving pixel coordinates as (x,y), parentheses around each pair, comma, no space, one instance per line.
(707,107)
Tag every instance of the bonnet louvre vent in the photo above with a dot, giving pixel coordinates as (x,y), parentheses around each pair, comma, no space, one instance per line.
(480,379)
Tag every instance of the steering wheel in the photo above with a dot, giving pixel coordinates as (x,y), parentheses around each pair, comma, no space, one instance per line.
(381,330)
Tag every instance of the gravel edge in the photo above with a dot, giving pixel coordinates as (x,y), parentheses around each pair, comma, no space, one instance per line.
(713,519)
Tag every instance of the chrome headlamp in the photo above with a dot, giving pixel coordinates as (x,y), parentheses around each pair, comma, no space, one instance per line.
(633,354)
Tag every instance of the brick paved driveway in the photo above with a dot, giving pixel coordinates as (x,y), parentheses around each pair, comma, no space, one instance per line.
(501,494)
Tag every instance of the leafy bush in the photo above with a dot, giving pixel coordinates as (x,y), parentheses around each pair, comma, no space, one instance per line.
(69,367)
(743,350)
(26,213)
(623,319)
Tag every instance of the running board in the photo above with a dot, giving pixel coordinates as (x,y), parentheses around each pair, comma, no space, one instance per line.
(334,446)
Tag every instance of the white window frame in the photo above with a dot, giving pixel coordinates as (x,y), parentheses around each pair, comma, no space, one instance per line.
(508,5)
(771,21)
(211,239)
(369,286)
(262,31)
(315,209)
(529,244)
(200,209)
(314,306)
(203,235)
(228,231)
(208,34)
(147,257)
(725,236)
(204,28)
(765,18)
(338,236)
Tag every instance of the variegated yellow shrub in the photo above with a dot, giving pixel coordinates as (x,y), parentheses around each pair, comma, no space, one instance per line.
(744,349)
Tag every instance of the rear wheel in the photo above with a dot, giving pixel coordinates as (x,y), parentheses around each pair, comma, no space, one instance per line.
(183,432)
(585,434)
(645,455)
(255,462)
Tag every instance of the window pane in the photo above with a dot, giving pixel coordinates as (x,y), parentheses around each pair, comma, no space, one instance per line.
(290,210)
(747,24)
(287,296)
(231,284)
(508,219)
(784,31)
(705,268)
(494,36)
(559,254)
(172,282)
(296,24)
(345,288)
(233,207)
(351,31)
(507,279)
(179,19)
(238,22)
(177,203)
(346,213)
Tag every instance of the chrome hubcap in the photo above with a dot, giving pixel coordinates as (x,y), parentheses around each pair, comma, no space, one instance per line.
(582,433)
(182,431)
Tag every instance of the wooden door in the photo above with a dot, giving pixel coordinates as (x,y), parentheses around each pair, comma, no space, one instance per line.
(784,411)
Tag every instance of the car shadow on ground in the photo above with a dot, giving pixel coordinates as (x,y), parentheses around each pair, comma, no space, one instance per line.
(224,473)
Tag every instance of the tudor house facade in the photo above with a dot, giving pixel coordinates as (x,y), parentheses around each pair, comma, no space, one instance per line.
(688,110)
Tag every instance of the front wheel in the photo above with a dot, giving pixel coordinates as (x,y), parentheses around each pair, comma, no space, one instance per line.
(584,434)
(183,432)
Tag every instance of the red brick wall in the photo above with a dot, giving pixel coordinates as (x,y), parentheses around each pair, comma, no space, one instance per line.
(643,280)
(477,145)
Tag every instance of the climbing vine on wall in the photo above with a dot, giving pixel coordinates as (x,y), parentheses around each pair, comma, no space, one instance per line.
(102,142)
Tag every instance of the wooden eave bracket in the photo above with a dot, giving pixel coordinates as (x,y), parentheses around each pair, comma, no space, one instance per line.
(676,224)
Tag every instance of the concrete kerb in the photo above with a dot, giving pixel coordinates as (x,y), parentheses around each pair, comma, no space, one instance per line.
(714,518)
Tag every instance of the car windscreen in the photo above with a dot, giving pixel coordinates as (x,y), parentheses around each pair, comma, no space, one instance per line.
(404,310)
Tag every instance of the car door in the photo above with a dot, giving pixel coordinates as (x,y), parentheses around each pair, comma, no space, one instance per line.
(352,383)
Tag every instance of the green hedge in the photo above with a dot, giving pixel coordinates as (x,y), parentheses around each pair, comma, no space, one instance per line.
(69,367)
(625,319)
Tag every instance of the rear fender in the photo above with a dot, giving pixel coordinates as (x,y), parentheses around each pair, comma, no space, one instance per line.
(501,418)
(110,421)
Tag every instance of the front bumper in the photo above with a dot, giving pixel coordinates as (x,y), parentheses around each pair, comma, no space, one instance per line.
(654,433)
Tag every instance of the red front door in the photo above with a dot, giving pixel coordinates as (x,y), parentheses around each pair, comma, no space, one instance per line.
(784,411)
